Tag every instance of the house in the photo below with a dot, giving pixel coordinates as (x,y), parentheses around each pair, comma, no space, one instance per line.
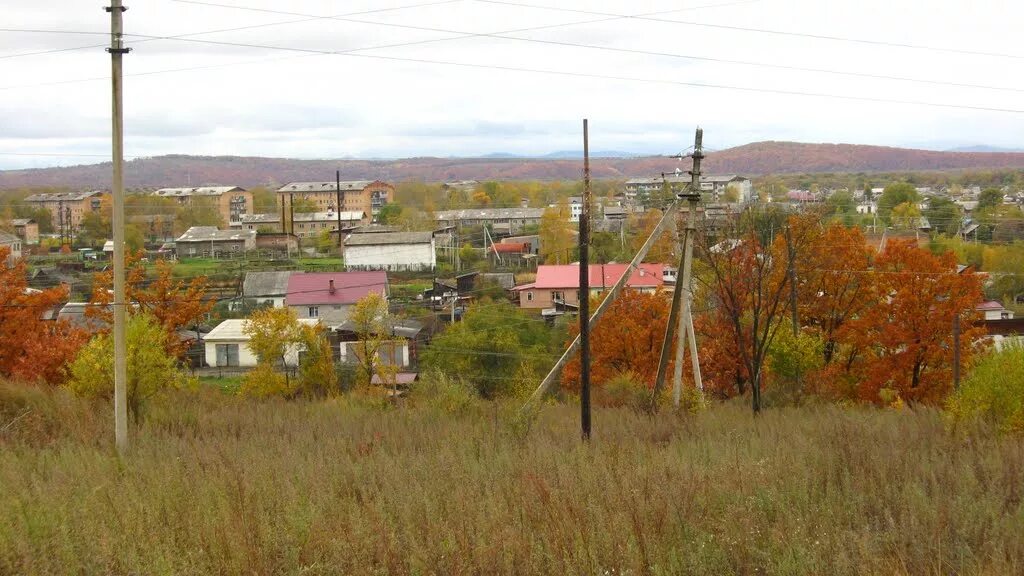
(266,287)
(994,310)
(401,349)
(531,240)
(27,229)
(74,312)
(510,254)
(13,244)
(231,202)
(356,195)
(305,224)
(615,213)
(719,186)
(558,286)
(329,296)
(227,346)
(502,221)
(277,243)
(208,241)
(575,208)
(68,208)
(390,251)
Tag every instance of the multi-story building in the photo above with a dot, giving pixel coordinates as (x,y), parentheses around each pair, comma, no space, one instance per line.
(356,195)
(503,221)
(232,202)
(68,208)
(716,185)
(306,225)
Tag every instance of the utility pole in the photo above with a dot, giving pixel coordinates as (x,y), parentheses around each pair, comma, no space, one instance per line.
(682,325)
(60,220)
(337,189)
(584,299)
(117,51)
(291,209)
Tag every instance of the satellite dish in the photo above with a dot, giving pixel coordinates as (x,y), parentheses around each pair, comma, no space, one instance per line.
(678,171)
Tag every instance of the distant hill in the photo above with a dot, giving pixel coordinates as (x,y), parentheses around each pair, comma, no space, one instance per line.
(984,148)
(750,159)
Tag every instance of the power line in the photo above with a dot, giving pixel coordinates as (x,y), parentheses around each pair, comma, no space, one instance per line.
(768,31)
(503,35)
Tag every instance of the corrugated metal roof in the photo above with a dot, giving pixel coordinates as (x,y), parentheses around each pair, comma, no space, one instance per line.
(272,218)
(324,186)
(266,283)
(6,238)
(349,287)
(389,238)
(65,196)
(233,330)
(198,191)
(22,221)
(601,275)
(489,214)
(212,234)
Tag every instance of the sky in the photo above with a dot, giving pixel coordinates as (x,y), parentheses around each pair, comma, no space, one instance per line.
(406,78)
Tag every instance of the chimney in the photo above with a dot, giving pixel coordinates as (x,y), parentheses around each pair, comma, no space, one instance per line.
(331,289)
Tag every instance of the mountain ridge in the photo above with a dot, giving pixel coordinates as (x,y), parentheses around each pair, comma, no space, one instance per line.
(757,158)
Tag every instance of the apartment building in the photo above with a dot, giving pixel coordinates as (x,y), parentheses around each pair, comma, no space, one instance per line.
(68,208)
(232,202)
(356,195)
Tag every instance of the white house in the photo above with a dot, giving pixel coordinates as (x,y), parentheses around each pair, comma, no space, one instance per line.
(227,345)
(390,251)
(994,310)
(13,243)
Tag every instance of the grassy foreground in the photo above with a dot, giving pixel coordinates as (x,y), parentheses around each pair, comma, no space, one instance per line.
(222,485)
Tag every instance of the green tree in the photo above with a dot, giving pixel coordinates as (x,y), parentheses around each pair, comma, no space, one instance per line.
(496,347)
(151,369)
(905,216)
(199,212)
(389,213)
(944,215)
(94,229)
(556,240)
(264,200)
(841,202)
(990,198)
(274,335)
(469,256)
(892,196)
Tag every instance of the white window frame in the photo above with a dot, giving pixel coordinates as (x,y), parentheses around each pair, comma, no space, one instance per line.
(314,311)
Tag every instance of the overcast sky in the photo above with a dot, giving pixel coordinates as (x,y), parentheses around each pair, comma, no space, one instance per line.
(376,100)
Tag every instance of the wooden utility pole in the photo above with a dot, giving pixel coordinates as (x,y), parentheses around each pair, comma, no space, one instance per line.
(584,299)
(117,51)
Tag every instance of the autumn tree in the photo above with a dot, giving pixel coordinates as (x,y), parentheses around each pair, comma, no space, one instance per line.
(277,337)
(892,196)
(748,281)
(627,340)
(372,325)
(990,198)
(199,211)
(907,331)
(32,349)
(663,250)
(150,369)
(556,238)
(174,303)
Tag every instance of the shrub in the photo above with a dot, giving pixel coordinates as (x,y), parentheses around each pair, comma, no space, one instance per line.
(263,381)
(994,391)
(449,394)
(150,368)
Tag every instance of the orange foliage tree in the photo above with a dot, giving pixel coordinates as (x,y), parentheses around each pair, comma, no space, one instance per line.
(907,332)
(33,349)
(723,373)
(176,304)
(627,339)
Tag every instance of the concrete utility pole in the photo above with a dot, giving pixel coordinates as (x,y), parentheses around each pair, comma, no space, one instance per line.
(682,324)
(584,299)
(117,50)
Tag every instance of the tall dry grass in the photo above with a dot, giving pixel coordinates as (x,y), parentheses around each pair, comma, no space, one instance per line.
(219,485)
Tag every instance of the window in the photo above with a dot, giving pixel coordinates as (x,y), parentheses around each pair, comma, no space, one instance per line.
(556,295)
(577,295)
(227,354)
(529,296)
(314,311)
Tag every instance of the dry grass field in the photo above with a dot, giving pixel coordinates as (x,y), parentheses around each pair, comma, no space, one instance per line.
(222,485)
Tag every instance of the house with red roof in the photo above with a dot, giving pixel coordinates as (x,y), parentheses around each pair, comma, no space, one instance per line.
(559,285)
(329,296)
